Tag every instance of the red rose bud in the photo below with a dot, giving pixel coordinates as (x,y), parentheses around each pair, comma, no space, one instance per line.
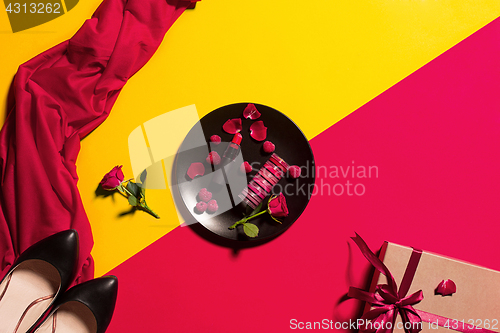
(112,179)
(277,206)
(446,287)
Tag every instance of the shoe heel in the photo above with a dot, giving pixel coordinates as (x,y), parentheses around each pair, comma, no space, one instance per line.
(40,274)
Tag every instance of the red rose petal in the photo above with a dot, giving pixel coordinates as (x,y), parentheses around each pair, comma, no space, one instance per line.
(258,131)
(232,126)
(446,287)
(251,112)
(196,169)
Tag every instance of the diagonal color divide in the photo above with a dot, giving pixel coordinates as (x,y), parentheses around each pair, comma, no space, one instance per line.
(24,14)
(316,64)
(434,138)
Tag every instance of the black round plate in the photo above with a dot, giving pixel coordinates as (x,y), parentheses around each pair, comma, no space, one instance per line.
(291,145)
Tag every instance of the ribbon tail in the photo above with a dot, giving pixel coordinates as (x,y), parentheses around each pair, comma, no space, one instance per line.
(377,263)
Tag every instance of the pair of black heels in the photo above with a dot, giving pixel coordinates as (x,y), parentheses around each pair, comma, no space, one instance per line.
(33,295)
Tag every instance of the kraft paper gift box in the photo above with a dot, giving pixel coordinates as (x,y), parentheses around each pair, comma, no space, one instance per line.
(474,307)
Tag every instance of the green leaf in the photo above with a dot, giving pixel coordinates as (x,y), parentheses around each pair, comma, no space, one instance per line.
(250,229)
(134,189)
(257,209)
(143,175)
(132,200)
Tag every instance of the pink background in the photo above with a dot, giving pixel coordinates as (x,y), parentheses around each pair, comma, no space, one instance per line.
(435,138)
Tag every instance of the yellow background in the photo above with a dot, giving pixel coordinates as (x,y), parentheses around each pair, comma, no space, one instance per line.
(316,62)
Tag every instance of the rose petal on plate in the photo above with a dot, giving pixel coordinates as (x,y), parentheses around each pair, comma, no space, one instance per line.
(258,131)
(232,126)
(446,287)
(196,169)
(251,112)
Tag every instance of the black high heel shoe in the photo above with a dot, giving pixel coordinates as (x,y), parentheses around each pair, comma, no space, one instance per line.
(39,275)
(85,308)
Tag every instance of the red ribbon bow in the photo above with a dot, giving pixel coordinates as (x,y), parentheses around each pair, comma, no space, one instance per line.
(387,299)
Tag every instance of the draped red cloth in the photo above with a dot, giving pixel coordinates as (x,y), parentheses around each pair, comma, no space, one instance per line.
(57,98)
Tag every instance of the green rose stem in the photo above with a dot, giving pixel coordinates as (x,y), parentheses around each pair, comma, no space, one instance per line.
(142,203)
(243,220)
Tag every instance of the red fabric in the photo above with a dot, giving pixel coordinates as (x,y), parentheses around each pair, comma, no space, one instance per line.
(57,98)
